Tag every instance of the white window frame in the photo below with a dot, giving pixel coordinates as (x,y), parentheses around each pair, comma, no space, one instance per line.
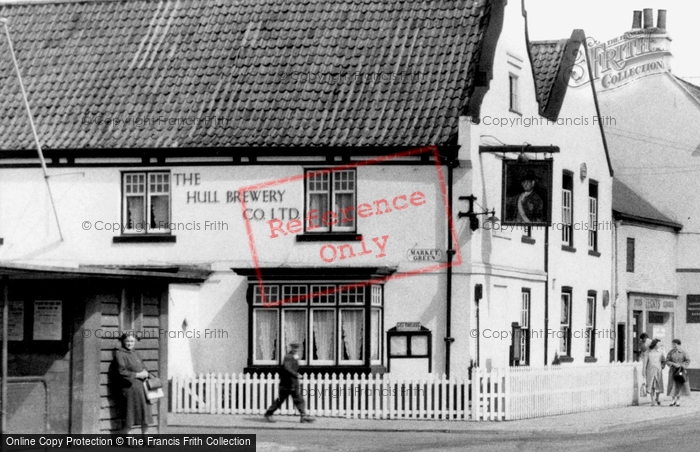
(593,220)
(565,327)
(525,297)
(333,177)
(513,93)
(311,338)
(567,213)
(379,338)
(255,336)
(305,345)
(352,362)
(146,195)
(355,300)
(590,325)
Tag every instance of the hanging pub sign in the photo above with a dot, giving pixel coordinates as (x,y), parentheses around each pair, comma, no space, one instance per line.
(527,193)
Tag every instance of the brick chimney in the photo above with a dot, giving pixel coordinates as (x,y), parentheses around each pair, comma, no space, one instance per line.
(656,33)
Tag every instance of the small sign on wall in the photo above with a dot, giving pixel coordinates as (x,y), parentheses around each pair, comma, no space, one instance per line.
(15,321)
(692,307)
(424,255)
(48,320)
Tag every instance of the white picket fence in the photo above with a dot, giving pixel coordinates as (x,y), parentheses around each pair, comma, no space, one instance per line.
(547,391)
(357,396)
(501,394)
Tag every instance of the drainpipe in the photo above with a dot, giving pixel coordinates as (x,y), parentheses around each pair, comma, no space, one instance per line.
(3,385)
(546,292)
(450,253)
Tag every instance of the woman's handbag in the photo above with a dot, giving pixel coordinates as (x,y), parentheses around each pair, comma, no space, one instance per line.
(679,375)
(154,382)
(153,388)
(643,390)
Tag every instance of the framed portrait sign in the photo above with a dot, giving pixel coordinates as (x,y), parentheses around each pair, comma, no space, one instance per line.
(527,193)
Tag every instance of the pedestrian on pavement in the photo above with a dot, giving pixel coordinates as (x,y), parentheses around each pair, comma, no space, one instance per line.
(289,386)
(130,374)
(652,368)
(644,342)
(678,383)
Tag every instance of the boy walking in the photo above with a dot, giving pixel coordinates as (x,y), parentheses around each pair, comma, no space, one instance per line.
(289,385)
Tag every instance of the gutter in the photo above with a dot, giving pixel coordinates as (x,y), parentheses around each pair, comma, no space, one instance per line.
(450,253)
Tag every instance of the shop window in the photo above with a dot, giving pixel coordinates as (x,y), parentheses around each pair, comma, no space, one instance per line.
(330,321)
(567,209)
(146,202)
(590,323)
(565,323)
(330,201)
(525,327)
(593,216)
(630,255)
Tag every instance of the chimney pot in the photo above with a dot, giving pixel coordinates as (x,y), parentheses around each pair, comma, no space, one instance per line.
(648,18)
(661,22)
(637,19)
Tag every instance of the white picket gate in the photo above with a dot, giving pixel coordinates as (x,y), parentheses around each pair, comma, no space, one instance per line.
(360,397)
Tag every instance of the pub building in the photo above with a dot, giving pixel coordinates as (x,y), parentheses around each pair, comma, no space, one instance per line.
(228,198)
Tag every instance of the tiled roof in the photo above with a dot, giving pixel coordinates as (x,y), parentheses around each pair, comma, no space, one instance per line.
(546,58)
(283,73)
(628,204)
(552,65)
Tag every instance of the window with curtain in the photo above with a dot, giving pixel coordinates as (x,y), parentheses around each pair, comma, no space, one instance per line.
(330,201)
(294,330)
(352,330)
(265,332)
(146,202)
(565,325)
(329,320)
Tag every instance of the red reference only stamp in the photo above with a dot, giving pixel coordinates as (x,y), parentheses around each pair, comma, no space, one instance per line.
(322,219)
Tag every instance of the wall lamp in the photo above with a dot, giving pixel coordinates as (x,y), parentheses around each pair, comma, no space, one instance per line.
(473,216)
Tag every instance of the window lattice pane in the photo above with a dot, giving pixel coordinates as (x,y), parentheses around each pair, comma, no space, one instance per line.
(294,294)
(344,181)
(353,295)
(271,294)
(566,215)
(376,295)
(326,295)
(525,312)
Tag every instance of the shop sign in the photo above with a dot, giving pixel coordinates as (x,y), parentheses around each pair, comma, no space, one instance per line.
(408,326)
(692,309)
(653,303)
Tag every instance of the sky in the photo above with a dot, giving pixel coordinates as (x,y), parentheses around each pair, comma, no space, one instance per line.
(607,19)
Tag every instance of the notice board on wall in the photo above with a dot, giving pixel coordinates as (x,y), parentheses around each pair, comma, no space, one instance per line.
(48,320)
(692,306)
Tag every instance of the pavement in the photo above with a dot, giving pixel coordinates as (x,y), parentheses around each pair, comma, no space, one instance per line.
(588,422)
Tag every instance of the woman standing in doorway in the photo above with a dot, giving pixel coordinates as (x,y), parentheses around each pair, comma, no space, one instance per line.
(652,368)
(132,374)
(678,360)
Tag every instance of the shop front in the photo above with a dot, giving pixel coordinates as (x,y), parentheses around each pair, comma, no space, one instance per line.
(652,314)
